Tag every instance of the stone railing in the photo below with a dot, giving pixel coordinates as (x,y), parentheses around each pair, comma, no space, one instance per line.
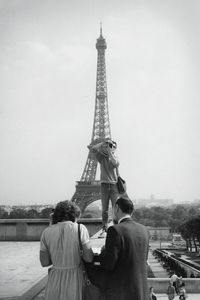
(31,229)
(191,269)
(160,285)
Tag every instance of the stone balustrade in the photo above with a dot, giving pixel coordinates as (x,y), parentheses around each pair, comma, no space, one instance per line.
(31,229)
(160,285)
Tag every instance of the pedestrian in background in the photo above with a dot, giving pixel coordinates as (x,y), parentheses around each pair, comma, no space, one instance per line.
(152,296)
(171,293)
(183,295)
(173,280)
(179,282)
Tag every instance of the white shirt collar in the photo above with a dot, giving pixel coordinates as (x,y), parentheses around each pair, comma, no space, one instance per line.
(124,217)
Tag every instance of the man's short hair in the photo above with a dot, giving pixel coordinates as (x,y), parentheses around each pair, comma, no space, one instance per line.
(126,205)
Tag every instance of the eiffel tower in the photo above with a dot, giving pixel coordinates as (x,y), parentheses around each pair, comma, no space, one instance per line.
(88,188)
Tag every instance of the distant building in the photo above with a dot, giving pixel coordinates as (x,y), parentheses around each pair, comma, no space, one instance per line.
(157,233)
(152,201)
(197,201)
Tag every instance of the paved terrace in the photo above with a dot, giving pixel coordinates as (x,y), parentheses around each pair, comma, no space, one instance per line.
(22,277)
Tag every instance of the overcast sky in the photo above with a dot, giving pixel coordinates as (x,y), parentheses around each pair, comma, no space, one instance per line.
(47,95)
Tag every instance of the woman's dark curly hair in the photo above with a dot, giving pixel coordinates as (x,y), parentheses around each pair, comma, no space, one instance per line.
(65,211)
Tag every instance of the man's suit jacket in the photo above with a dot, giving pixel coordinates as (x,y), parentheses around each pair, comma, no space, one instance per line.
(125,259)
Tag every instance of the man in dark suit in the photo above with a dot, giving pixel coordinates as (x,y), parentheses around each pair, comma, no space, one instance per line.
(125,256)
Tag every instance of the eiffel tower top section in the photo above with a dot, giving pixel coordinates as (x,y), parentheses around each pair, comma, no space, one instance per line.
(101,127)
(101,42)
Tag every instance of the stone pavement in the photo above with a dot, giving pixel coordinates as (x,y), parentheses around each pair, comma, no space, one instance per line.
(20,268)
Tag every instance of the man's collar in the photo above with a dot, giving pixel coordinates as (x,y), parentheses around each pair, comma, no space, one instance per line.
(124,217)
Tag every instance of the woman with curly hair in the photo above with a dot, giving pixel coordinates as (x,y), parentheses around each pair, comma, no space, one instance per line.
(59,247)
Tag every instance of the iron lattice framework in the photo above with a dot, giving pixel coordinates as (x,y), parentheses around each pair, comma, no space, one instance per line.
(88,188)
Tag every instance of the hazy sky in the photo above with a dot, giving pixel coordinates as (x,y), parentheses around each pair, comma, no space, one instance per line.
(47,95)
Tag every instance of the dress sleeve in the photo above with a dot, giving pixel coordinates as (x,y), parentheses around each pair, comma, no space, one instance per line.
(43,244)
(84,235)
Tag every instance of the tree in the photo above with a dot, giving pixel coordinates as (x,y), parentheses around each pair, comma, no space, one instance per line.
(194,227)
(32,214)
(91,214)
(45,213)
(190,231)
(159,216)
(3,213)
(18,214)
(197,229)
(137,214)
(180,212)
(184,230)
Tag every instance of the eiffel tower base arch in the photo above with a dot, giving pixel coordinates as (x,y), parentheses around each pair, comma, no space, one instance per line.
(86,193)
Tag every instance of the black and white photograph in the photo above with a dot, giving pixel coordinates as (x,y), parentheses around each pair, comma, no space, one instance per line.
(99,150)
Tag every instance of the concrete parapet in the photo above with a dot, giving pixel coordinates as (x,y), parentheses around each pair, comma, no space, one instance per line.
(22,229)
(31,229)
(192,285)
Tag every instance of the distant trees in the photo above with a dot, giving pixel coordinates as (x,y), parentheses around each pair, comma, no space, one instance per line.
(190,231)
(91,214)
(3,213)
(154,216)
(172,216)
(20,213)
(45,213)
(157,216)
